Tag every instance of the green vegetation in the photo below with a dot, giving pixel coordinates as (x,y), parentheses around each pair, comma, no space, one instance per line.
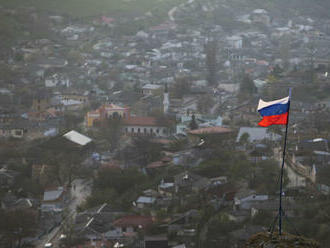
(232,164)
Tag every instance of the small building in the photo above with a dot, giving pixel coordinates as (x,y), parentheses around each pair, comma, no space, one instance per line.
(188,182)
(151,89)
(7,177)
(257,134)
(235,41)
(260,16)
(144,126)
(131,224)
(145,201)
(53,200)
(106,111)
(159,241)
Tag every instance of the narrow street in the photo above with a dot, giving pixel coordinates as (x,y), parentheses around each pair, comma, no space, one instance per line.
(80,190)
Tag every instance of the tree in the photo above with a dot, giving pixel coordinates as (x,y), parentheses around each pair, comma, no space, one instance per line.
(71,121)
(284,50)
(75,57)
(205,103)
(211,61)
(111,131)
(265,179)
(16,225)
(244,139)
(181,87)
(247,88)
(193,124)
(146,150)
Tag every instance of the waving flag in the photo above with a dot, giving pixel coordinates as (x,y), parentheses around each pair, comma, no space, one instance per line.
(274,112)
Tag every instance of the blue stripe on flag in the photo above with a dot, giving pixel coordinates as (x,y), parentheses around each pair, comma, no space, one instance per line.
(276,109)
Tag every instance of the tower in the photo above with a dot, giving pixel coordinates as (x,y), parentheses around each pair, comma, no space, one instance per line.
(166,101)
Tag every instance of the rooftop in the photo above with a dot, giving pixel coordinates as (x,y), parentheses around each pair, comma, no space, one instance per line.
(53,195)
(141,121)
(77,138)
(211,130)
(133,220)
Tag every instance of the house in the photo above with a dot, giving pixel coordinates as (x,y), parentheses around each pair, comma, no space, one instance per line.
(151,89)
(166,188)
(181,224)
(83,98)
(189,182)
(208,134)
(7,177)
(40,101)
(14,130)
(271,205)
(235,41)
(247,201)
(51,62)
(257,134)
(157,241)
(145,201)
(145,126)
(260,152)
(11,203)
(53,200)
(106,111)
(129,225)
(96,223)
(77,138)
(57,80)
(260,16)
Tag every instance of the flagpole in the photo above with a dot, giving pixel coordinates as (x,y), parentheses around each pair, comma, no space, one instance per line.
(282,169)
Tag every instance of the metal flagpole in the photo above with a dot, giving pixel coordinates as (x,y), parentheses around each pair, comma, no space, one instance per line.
(282,169)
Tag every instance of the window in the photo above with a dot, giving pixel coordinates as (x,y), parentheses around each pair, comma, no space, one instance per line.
(132,129)
(18,132)
(157,130)
(138,130)
(151,130)
(126,129)
(145,130)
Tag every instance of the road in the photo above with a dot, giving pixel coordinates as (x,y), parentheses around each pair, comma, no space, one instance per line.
(80,190)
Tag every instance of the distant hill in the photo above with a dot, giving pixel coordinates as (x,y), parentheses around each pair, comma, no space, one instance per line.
(87,8)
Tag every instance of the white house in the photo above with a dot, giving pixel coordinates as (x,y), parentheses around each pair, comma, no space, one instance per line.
(235,41)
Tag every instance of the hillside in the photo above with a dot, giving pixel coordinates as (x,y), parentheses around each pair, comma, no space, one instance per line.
(87,8)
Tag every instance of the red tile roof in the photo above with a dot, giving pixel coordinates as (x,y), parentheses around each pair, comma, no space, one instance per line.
(133,220)
(210,130)
(141,121)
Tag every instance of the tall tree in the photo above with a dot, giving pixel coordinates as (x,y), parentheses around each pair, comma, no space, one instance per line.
(111,130)
(211,61)
(205,103)
(181,87)
(16,225)
(247,88)
(193,124)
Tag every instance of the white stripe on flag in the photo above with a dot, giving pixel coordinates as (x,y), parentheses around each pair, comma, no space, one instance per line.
(262,104)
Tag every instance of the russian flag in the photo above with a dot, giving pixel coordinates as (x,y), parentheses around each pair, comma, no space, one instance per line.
(274,112)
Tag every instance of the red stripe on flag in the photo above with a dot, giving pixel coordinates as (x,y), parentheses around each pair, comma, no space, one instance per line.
(274,120)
